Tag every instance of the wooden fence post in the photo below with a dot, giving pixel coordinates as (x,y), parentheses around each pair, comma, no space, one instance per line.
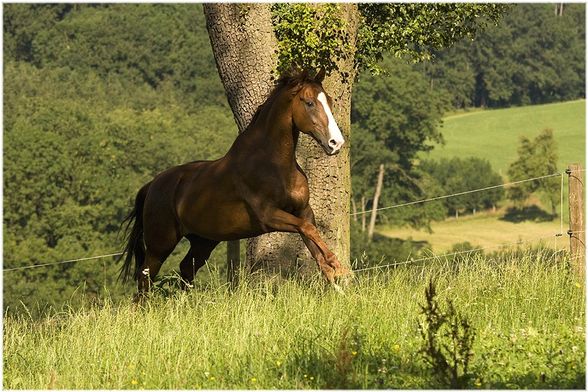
(577,225)
(375,203)
(363,214)
(233,262)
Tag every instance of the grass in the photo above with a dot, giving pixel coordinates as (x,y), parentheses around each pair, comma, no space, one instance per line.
(494,134)
(485,229)
(528,313)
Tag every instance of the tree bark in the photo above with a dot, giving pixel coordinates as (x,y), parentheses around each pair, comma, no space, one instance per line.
(244,47)
(244,44)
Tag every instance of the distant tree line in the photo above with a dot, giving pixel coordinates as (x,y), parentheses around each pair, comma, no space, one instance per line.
(535,55)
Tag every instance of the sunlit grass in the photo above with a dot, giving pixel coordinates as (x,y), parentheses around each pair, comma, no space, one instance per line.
(305,335)
(485,229)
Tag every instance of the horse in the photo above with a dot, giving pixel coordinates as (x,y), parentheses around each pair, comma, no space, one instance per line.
(256,188)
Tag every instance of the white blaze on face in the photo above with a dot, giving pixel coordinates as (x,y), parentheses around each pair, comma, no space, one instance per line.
(335,138)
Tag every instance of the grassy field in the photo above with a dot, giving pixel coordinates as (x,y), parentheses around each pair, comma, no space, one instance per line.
(494,134)
(527,313)
(482,230)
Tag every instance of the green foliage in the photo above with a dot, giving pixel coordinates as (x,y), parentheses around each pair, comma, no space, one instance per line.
(457,175)
(392,121)
(531,57)
(309,36)
(448,338)
(380,251)
(146,43)
(394,109)
(23,22)
(314,36)
(537,157)
(416,30)
(86,126)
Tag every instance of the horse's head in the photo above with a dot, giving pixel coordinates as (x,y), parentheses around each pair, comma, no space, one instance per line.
(311,113)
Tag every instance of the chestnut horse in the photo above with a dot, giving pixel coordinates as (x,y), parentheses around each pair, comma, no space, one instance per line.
(256,188)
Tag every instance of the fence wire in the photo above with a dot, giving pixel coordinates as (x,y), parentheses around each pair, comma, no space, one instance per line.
(457,194)
(62,262)
(457,253)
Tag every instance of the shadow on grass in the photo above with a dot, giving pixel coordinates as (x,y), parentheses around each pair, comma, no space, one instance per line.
(529,213)
(539,381)
(349,369)
(389,371)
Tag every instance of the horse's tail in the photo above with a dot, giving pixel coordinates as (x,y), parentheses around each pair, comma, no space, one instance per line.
(135,245)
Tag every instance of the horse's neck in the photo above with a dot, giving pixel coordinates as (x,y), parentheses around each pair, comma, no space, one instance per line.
(271,136)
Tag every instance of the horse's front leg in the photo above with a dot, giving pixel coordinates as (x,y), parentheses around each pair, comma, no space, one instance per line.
(279,220)
(329,264)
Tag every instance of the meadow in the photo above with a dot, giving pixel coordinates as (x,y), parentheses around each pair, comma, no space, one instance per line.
(494,134)
(486,229)
(527,314)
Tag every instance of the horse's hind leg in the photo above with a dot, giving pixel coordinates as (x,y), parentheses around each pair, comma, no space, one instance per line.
(200,250)
(159,243)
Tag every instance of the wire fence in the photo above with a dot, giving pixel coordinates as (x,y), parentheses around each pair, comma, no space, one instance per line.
(63,262)
(459,194)
(556,235)
(453,254)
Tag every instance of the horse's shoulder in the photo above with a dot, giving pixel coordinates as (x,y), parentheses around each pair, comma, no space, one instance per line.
(300,172)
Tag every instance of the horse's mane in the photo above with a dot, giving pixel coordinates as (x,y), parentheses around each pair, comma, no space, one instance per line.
(295,77)
(291,78)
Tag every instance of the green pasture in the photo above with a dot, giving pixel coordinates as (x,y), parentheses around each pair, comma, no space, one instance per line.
(494,134)
(483,230)
(527,312)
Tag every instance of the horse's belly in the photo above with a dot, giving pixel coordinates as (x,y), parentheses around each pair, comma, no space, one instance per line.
(221,222)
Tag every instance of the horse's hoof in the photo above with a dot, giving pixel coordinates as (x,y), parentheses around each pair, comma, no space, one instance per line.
(140,298)
(343,276)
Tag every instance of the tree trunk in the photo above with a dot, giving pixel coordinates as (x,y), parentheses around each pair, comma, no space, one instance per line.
(363,214)
(244,47)
(243,43)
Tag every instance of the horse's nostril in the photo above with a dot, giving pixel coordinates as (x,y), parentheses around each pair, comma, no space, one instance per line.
(332,142)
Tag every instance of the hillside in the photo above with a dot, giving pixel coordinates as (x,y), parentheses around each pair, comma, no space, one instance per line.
(494,134)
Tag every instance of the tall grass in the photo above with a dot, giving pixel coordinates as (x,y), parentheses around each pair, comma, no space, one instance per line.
(528,313)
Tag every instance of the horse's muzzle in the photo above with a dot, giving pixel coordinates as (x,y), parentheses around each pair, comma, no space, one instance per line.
(332,150)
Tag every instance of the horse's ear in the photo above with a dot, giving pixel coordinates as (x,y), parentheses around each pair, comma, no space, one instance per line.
(303,75)
(320,76)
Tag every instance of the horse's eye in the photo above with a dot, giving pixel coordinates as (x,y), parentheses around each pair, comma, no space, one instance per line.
(309,103)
